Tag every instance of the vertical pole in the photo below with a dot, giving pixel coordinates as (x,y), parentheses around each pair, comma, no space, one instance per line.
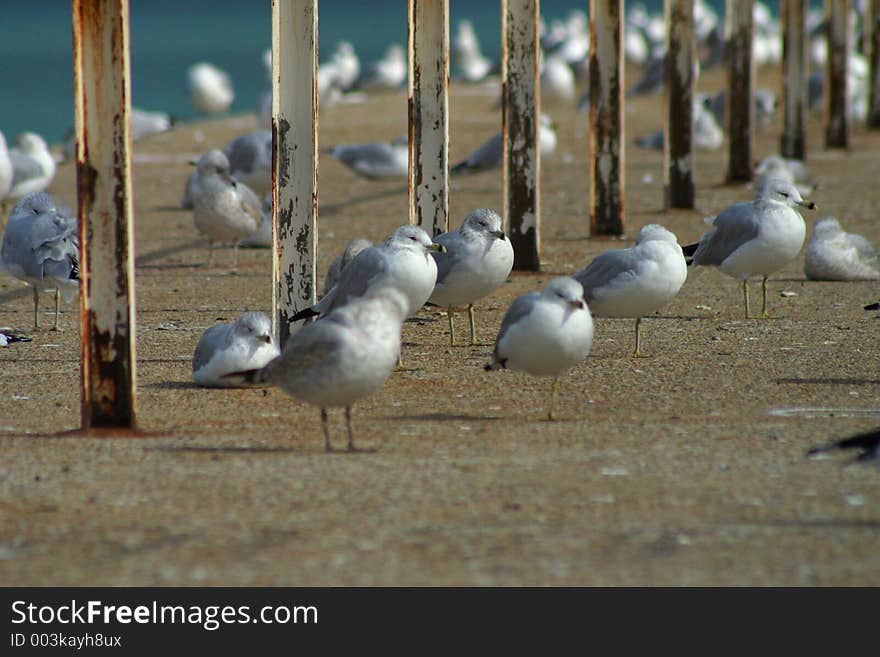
(678,143)
(428,40)
(606,118)
(104,207)
(793,15)
(740,84)
(837,126)
(872,29)
(520,127)
(294,159)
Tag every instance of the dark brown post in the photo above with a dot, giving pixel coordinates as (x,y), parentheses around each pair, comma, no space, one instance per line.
(428,115)
(606,118)
(740,85)
(872,27)
(836,106)
(793,15)
(104,206)
(678,142)
(520,127)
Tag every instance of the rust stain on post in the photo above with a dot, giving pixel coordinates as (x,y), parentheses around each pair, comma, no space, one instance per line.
(520,127)
(606,118)
(678,148)
(740,82)
(104,204)
(836,107)
(873,36)
(428,102)
(294,160)
(793,16)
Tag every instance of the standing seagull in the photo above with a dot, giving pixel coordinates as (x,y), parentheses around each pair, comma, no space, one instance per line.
(754,238)
(227,348)
(490,154)
(346,356)
(33,166)
(210,89)
(545,333)
(224,209)
(635,282)
(41,248)
(477,260)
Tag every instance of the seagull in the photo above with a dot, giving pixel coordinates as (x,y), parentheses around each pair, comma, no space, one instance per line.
(402,261)
(210,89)
(635,282)
(754,238)
(789,169)
(867,445)
(477,260)
(346,356)
(557,80)
(388,73)
(250,160)
(225,349)
(375,160)
(545,333)
(340,262)
(224,209)
(5,171)
(41,247)
(7,338)
(262,237)
(33,166)
(490,155)
(835,255)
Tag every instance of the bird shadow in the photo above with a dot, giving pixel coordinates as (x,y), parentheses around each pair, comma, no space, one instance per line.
(333,208)
(161,253)
(205,449)
(829,381)
(172,385)
(443,417)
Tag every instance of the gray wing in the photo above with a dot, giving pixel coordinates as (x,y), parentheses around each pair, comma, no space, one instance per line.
(862,246)
(486,156)
(24,167)
(521,307)
(250,202)
(250,152)
(735,226)
(314,345)
(212,339)
(607,267)
(40,246)
(368,267)
(447,260)
(352,154)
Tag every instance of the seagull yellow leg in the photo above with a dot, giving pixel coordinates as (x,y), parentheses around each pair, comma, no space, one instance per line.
(57,300)
(451,327)
(746,295)
(638,352)
(36,308)
(348,426)
(553,397)
(764,312)
(473,324)
(327,446)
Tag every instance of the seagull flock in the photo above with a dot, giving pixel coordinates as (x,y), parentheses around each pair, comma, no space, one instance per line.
(348,344)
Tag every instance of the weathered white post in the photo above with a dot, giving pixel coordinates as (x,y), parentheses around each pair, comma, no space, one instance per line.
(294,159)
(104,207)
(678,142)
(837,126)
(740,87)
(606,118)
(793,15)
(521,130)
(428,40)
(873,36)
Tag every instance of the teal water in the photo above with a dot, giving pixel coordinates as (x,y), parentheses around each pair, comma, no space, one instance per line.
(36,75)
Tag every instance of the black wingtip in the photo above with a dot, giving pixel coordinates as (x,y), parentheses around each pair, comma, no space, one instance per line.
(458,169)
(873,306)
(690,249)
(305,313)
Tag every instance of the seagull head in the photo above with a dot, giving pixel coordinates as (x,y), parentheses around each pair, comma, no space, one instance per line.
(484,221)
(412,237)
(784,192)
(254,326)
(566,291)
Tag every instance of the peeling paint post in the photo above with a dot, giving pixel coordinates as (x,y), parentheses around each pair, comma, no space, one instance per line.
(873,30)
(104,207)
(793,16)
(520,127)
(741,89)
(606,118)
(428,40)
(294,159)
(837,122)
(678,142)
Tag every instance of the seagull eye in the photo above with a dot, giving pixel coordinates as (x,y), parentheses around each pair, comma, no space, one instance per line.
(783,194)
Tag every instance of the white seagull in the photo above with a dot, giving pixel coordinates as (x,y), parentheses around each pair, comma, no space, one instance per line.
(225,349)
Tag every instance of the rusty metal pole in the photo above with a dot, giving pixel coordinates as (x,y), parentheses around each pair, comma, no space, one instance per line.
(294,159)
(606,118)
(428,40)
(740,84)
(872,28)
(521,111)
(104,207)
(793,16)
(678,142)
(836,106)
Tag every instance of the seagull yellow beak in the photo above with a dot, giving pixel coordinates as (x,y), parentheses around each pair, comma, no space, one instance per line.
(809,205)
(436,247)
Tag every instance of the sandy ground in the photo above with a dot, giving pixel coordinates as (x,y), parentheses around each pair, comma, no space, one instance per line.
(684,468)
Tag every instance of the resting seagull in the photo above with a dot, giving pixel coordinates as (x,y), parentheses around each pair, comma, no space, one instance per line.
(228,348)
